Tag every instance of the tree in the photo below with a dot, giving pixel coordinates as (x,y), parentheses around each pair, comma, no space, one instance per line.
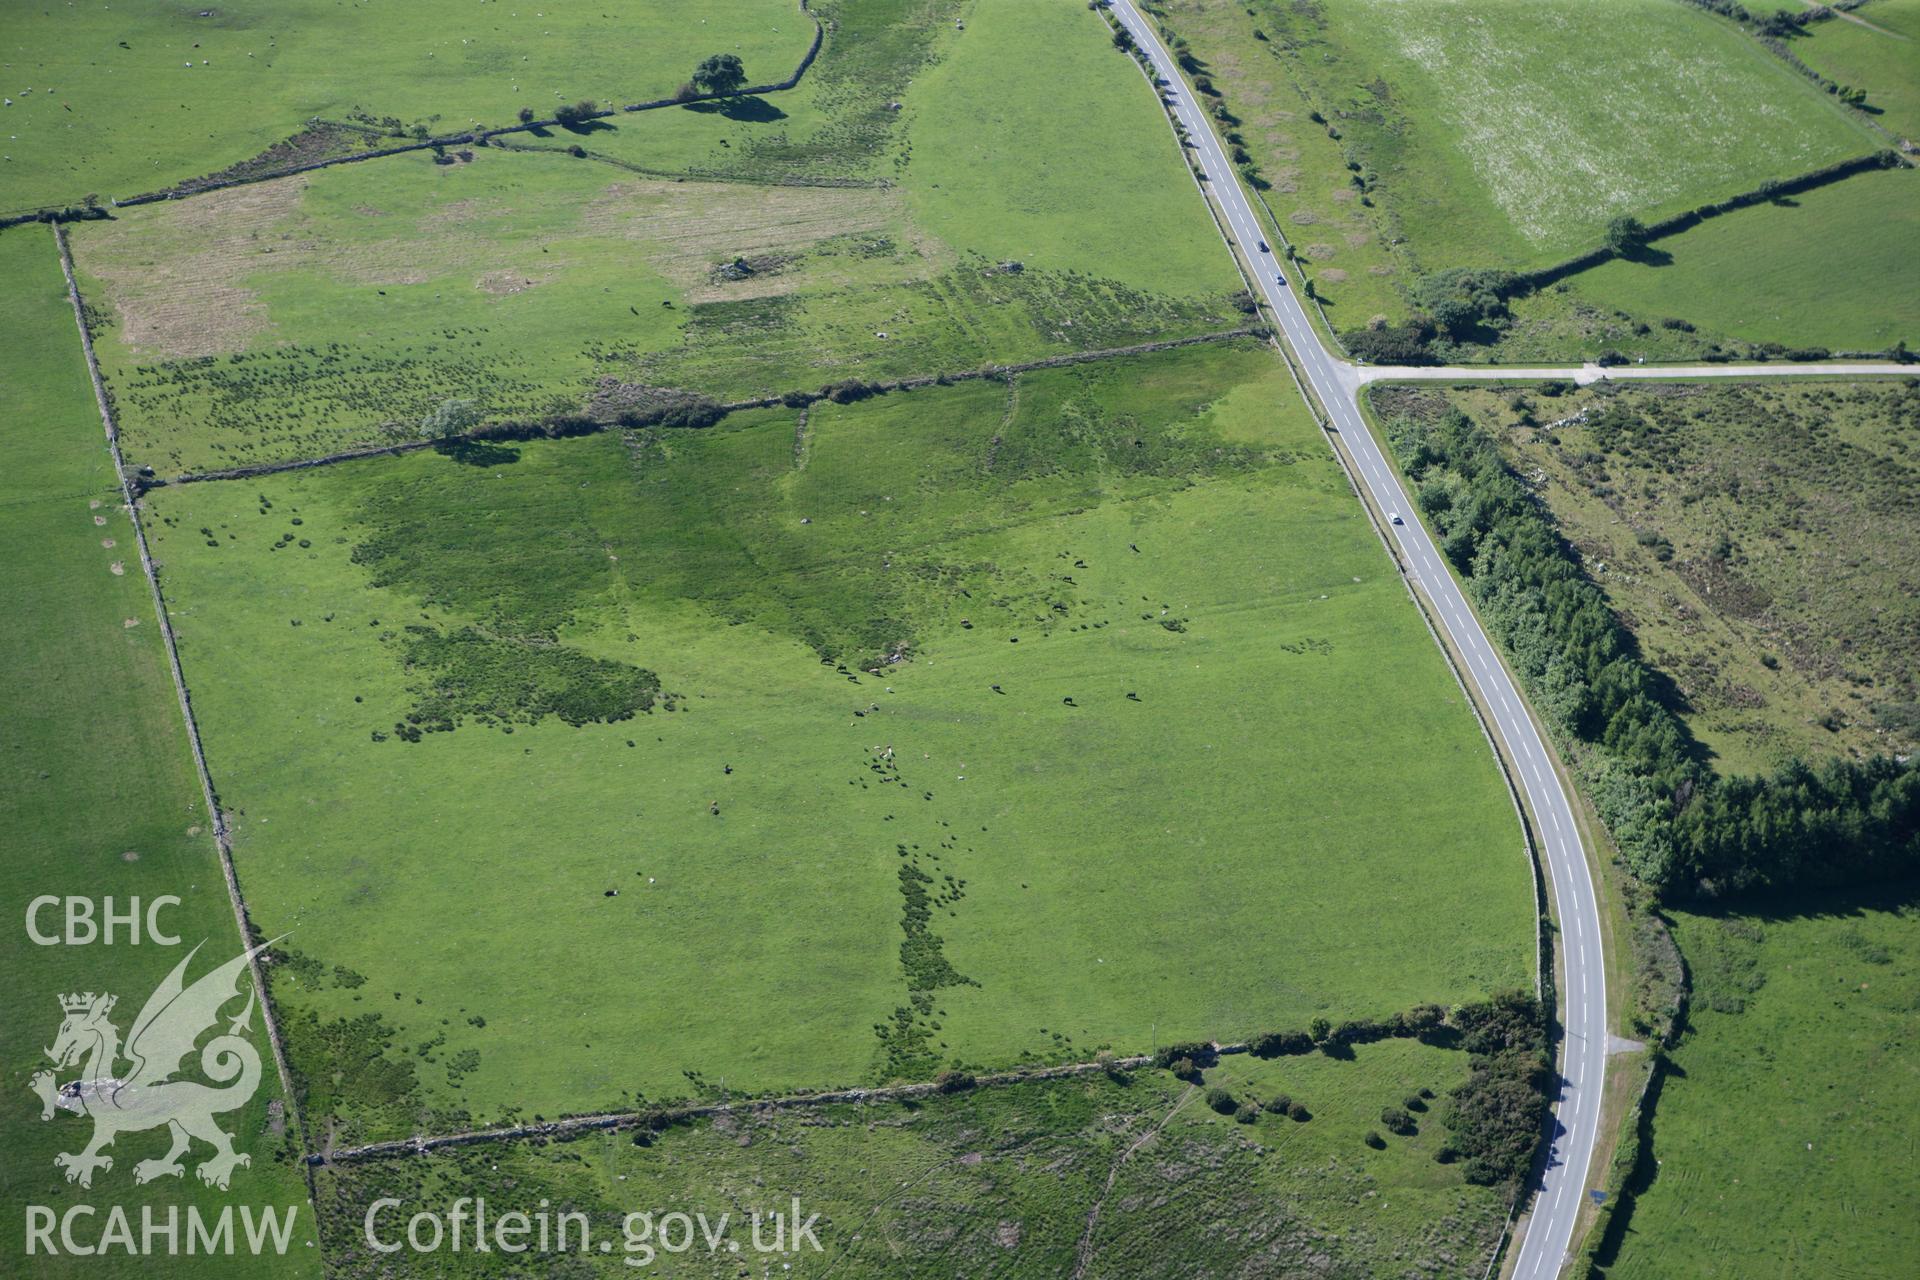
(1222,1101)
(526,115)
(1123,39)
(1319,1029)
(722,73)
(570,114)
(452,418)
(1626,235)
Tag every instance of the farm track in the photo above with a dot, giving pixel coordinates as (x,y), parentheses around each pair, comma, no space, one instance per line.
(1083,1252)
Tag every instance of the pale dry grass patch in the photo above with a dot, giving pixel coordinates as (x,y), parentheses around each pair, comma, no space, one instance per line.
(174,273)
(504,283)
(688,227)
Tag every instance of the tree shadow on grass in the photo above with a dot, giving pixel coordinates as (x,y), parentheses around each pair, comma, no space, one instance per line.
(589,126)
(1648,256)
(1807,902)
(477,453)
(750,110)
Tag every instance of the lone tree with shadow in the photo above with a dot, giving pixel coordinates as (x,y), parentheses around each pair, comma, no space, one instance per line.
(722,73)
(1626,235)
(450,420)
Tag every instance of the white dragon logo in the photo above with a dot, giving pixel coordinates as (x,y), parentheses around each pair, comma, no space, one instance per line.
(148,1095)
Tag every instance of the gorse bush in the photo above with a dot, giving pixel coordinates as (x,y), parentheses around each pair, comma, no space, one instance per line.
(1275,1044)
(1392,344)
(1465,301)
(1497,1116)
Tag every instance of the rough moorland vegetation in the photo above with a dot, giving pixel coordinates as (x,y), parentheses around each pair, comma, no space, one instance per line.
(1682,828)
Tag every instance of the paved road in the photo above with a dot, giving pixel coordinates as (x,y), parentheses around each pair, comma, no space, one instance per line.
(1543,1248)
(1547,1236)
(1355,375)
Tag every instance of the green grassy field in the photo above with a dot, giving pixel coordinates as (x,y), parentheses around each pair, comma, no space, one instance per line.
(1004,1181)
(987,156)
(1782,1129)
(1508,133)
(1875,54)
(1189,808)
(1836,267)
(1099,181)
(1758,540)
(99,796)
(116,101)
(292,318)
(844,122)
(1405,140)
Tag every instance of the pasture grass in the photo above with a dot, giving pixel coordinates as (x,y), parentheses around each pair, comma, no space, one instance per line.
(1005,1180)
(1781,1124)
(1070,171)
(1757,538)
(1875,54)
(1508,133)
(99,796)
(1838,266)
(843,123)
(294,318)
(1225,781)
(1073,170)
(990,160)
(119,100)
